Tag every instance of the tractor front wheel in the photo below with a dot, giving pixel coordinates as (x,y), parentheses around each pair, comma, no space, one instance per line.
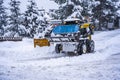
(58,48)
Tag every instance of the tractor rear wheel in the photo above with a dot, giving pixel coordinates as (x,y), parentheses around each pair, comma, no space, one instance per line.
(90,46)
(81,49)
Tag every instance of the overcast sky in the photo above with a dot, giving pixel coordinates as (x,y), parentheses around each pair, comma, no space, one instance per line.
(46,4)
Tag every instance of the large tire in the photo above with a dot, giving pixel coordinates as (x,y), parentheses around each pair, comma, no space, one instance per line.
(82,48)
(90,46)
(58,48)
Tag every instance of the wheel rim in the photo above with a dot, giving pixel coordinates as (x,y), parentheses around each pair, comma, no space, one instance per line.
(92,47)
(84,48)
(60,47)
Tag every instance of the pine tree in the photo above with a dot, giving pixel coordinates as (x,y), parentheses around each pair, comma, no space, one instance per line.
(53,13)
(77,9)
(69,8)
(3,18)
(104,12)
(14,19)
(31,21)
(87,7)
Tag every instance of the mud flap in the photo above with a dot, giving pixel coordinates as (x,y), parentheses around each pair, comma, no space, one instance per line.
(41,42)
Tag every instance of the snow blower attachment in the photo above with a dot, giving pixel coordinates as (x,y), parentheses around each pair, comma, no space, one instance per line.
(70,36)
(41,42)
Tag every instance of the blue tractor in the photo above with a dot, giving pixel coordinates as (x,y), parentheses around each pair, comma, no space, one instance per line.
(71,35)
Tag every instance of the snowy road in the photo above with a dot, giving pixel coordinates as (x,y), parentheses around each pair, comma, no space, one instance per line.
(20,61)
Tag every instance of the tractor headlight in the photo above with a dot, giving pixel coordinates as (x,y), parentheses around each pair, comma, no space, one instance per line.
(76,21)
(64,22)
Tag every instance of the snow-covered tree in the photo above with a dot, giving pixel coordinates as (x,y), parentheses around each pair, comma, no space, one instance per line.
(31,21)
(53,13)
(104,12)
(13,19)
(87,7)
(35,20)
(3,18)
(58,13)
(77,8)
(74,8)
(69,8)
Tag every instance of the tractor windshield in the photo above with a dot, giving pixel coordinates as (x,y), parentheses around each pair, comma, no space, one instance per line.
(65,29)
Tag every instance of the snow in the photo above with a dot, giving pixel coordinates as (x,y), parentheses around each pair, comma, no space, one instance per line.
(72,19)
(21,61)
(118,12)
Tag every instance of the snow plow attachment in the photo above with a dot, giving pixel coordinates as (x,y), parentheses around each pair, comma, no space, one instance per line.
(41,42)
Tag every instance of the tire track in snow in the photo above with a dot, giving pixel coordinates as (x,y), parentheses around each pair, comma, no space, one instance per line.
(43,58)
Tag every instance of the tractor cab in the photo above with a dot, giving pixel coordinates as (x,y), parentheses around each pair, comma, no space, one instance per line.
(66,29)
(69,26)
(74,26)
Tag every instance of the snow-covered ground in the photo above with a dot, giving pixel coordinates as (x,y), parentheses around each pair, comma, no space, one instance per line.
(21,61)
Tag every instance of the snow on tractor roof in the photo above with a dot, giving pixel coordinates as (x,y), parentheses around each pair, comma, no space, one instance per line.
(55,21)
(72,19)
